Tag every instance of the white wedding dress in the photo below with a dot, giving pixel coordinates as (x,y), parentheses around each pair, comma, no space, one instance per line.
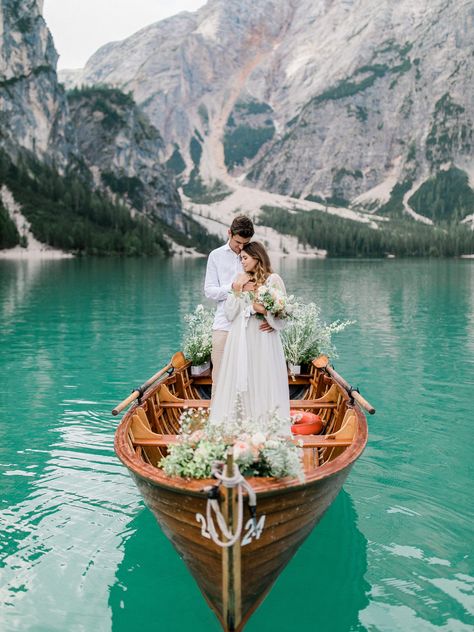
(253,366)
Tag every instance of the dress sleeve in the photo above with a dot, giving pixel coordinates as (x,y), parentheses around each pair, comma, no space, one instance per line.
(274,280)
(233,305)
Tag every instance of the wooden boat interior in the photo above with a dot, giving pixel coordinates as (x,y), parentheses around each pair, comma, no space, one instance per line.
(153,422)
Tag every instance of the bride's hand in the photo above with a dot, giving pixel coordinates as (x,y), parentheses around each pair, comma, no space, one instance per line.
(240,281)
(259,308)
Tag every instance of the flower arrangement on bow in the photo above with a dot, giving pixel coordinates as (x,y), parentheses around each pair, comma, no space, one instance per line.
(275,301)
(306,336)
(257,452)
(197,340)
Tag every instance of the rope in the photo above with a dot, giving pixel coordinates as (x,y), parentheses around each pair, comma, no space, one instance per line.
(230,482)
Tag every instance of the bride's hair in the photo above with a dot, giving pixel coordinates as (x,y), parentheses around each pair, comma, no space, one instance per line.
(263,269)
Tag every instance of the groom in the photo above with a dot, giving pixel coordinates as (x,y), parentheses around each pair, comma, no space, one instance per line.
(223,265)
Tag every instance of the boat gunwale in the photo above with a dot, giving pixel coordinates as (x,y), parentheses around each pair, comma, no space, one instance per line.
(262,485)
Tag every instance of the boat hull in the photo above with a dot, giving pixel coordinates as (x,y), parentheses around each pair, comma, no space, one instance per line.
(286,517)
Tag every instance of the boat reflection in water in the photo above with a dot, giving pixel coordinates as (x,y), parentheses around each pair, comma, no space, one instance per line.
(323,587)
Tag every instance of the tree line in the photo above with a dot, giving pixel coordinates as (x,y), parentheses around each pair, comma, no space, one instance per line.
(347,238)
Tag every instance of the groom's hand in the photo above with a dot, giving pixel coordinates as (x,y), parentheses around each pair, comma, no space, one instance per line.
(266,327)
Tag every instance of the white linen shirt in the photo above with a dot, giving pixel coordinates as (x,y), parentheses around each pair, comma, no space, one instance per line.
(223,265)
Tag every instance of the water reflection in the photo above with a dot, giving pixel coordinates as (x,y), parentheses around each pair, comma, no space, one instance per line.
(322,588)
(60,543)
(325,586)
(77,336)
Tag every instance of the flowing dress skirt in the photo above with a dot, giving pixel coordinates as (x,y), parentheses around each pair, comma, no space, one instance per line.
(253,370)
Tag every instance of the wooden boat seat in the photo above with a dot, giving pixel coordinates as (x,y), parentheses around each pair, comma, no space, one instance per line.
(309,441)
(167,399)
(311,403)
(187,403)
(183,386)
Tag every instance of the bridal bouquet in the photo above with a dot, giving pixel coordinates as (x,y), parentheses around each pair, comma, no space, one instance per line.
(275,301)
(257,451)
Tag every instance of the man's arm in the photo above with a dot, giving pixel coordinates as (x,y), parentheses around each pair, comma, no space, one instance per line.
(212,287)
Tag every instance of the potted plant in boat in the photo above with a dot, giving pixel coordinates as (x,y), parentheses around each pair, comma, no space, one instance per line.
(306,336)
(197,343)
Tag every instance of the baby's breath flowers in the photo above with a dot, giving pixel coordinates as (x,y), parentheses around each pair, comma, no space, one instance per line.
(257,451)
(306,336)
(197,342)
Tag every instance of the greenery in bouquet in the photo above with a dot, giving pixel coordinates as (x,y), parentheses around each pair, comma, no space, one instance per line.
(306,336)
(258,451)
(275,301)
(197,341)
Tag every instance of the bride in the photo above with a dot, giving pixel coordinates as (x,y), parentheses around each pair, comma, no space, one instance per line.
(253,368)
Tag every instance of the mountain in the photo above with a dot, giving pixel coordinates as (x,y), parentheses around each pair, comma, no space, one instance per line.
(366,104)
(122,148)
(94,146)
(33,107)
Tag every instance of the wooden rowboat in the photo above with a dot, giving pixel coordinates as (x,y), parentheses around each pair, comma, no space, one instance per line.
(234,580)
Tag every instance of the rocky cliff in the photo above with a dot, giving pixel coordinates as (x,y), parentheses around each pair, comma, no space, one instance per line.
(122,150)
(367,103)
(100,135)
(33,108)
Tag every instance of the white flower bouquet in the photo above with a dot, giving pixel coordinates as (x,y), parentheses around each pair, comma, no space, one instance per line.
(306,336)
(257,452)
(197,341)
(275,301)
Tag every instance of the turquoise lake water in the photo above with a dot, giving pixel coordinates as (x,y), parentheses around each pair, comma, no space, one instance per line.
(79,551)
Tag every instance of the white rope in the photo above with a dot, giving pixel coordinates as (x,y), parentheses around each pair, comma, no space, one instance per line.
(230,482)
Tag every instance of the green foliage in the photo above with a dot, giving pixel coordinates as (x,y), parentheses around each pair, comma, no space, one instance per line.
(394,206)
(132,187)
(253,107)
(203,114)
(361,114)
(446,196)
(243,143)
(305,337)
(112,102)
(111,95)
(346,238)
(411,152)
(448,132)
(342,173)
(195,150)
(197,339)
(195,236)
(370,73)
(258,447)
(175,163)
(9,236)
(65,213)
(199,193)
(316,198)
(25,24)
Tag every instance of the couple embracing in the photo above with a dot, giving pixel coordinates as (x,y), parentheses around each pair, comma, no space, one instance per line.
(247,354)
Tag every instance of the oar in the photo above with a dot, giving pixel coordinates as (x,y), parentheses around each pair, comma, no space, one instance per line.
(139,391)
(322,362)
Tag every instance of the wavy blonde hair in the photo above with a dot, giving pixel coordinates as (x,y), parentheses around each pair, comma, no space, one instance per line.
(263,269)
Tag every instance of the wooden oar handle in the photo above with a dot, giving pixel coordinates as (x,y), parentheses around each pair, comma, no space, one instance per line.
(139,391)
(362,401)
(126,402)
(323,363)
